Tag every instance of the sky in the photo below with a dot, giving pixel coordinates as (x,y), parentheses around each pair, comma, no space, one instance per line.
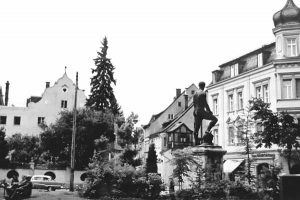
(156,46)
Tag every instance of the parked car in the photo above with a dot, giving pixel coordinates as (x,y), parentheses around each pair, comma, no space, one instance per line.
(45,182)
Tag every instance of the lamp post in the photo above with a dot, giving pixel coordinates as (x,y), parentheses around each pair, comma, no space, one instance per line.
(73,138)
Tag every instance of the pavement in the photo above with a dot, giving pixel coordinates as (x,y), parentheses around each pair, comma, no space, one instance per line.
(51,195)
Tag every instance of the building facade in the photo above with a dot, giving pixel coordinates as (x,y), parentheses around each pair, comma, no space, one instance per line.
(41,110)
(271,73)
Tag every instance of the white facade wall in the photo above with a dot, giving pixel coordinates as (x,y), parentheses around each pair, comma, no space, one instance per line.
(48,107)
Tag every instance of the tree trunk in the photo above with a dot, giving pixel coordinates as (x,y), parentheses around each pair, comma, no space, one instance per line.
(289,157)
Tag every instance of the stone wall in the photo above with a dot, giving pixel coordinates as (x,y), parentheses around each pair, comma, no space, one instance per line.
(62,176)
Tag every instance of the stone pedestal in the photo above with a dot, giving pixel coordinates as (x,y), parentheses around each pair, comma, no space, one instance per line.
(211,158)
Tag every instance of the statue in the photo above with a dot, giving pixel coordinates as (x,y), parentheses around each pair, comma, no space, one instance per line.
(202,111)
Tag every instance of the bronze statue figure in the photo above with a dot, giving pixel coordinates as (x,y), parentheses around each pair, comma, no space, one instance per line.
(202,111)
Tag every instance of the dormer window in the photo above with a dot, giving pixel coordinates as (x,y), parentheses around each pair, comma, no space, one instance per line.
(291,47)
(234,70)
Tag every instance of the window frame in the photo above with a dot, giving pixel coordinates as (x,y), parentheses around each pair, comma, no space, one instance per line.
(1,119)
(292,45)
(64,104)
(240,100)
(261,84)
(15,120)
(41,120)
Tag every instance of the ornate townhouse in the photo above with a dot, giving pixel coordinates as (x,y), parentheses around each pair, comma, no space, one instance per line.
(38,110)
(271,73)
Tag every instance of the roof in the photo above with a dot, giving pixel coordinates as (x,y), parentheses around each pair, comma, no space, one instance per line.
(155,117)
(261,49)
(33,99)
(177,126)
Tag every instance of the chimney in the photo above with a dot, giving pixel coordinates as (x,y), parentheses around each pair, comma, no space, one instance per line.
(186,101)
(6,93)
(47,84)
(178,92)
(1,97)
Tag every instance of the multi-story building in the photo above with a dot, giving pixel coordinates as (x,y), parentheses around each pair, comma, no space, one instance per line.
(271,73)
(171,129)
(44,109)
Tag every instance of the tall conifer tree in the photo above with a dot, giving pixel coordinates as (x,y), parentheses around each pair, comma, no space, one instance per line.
(151,162)
(102,95)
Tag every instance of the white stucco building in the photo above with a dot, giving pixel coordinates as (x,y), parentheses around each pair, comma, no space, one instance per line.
(44,109)
(271,73)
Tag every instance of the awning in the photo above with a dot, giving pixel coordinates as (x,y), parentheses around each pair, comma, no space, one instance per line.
(231,164)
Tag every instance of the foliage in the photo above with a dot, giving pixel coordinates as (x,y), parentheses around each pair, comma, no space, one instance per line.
(116,179)
(94,131)
(24,148)
(102,96)
(278,128)
(128,157)
(182,159)
(4,149)
(151,161)
(269,183)
(245,125)
(127,131)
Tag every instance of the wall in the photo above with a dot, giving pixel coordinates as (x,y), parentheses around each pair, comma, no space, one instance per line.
(62,176)
(48,107)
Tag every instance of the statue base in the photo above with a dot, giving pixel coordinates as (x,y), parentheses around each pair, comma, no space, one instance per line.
(211,159)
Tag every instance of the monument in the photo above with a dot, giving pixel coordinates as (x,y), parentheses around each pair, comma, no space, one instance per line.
(210,155)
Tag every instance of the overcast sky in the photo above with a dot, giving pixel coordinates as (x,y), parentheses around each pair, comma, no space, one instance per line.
(155,45)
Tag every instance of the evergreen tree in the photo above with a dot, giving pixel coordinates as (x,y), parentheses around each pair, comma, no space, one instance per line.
(151,162)
(102,96)
(3,149)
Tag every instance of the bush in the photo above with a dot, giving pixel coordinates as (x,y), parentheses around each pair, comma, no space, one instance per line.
(112,178)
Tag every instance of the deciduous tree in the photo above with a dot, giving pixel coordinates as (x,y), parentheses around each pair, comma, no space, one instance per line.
(278,128)
(94,131)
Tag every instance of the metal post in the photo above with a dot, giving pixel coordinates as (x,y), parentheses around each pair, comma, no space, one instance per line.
(73,138)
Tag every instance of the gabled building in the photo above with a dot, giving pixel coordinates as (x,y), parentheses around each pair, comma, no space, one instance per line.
(271,73)
(40,110)
(171,129)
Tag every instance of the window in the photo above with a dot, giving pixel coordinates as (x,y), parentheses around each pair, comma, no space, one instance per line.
(297,88)
(2,119)
(234,70)
(230,103)
(216,136)
(41,120)
(260,60)
(287,88)
(215,106)
(259,127)
(165,141)
(258,92)
(179,104)
(240,100)
(266,93)
(291,44)
(64,104)
(231,135)
(262,90)
(17,120)
(170,138)
(193,92)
